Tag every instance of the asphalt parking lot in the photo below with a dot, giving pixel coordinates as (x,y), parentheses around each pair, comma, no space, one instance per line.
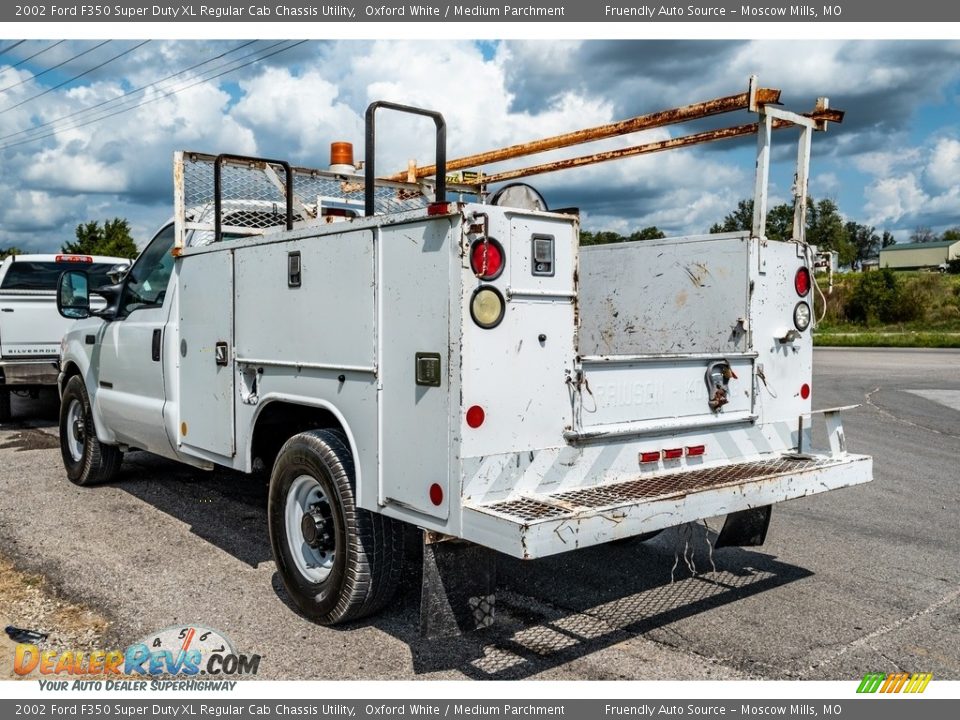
(865,579)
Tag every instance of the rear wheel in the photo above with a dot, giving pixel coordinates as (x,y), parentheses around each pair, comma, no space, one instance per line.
(4,405)
(87,460)
(337,561)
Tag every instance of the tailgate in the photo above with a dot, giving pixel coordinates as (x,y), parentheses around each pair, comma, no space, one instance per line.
(655,317)
(30,326)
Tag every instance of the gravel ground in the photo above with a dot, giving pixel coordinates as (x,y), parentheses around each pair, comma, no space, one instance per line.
(28,601)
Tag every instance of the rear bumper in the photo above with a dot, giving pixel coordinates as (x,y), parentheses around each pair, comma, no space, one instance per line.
(537,525)
(27,373)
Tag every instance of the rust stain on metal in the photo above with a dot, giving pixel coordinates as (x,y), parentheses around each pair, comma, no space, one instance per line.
(648,148)
(645,149)
(695,111)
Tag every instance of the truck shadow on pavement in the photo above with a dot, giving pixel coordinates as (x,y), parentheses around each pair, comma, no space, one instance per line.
(225,508)
(558,609)
(550,612)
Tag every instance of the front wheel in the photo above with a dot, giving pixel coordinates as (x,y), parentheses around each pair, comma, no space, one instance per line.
(338,562)
(87,460)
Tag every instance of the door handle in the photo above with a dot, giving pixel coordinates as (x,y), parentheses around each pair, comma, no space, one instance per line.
(157,337)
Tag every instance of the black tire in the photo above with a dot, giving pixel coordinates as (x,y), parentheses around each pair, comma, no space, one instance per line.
(5,412)
(87,460)
(360,569)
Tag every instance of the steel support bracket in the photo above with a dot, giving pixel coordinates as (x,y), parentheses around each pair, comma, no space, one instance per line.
(746,528)
(458,588)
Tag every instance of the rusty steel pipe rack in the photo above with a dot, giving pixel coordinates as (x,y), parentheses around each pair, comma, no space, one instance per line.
(653,147)
(763,101)
(743,101)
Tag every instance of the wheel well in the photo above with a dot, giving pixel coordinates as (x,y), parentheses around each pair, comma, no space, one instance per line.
(278,422)
(69,370)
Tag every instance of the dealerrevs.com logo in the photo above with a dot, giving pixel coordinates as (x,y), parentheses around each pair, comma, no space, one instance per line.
(179,651)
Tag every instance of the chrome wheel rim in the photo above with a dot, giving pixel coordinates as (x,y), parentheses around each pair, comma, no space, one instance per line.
(308,520)
(76,430)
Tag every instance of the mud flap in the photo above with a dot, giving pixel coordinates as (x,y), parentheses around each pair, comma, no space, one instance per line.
(457,590)
(747,528)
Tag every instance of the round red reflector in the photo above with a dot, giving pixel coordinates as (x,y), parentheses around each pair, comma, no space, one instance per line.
(475,416)
(436,494)
(804,391)
(801,281)
(486,259)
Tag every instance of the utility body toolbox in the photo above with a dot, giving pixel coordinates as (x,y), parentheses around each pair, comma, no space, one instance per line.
(409,352)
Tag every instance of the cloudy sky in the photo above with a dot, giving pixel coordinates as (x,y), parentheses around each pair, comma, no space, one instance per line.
(88,127)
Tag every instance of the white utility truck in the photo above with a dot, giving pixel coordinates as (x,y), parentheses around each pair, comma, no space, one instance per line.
(399,359)
(30,326)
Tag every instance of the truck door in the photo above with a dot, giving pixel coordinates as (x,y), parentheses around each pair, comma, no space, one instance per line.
(131,380)
(205,376)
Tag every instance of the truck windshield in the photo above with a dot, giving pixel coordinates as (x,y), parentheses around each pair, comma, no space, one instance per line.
(33,275)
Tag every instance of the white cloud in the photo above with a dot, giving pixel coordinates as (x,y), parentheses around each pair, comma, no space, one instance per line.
(943,170)
(293,105)
(923,188)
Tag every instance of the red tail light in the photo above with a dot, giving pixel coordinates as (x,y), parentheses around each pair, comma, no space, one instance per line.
(650,457)
(801,281)
(475,416)
(436,494)
(696,450)
(805,391)
(486,259)
(673,453)
(438,208)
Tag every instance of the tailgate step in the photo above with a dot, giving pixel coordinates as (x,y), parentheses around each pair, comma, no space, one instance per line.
(537,525)
(569,502)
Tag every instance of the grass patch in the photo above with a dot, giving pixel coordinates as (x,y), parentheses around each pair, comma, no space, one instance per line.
(870,338)
(901,309)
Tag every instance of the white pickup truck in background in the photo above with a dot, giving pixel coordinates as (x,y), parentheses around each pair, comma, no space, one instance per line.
(30,326)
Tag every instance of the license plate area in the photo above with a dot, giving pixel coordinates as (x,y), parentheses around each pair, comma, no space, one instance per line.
(629,390)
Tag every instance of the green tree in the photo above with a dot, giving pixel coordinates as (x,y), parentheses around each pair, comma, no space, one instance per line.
(888,239)
(780,222)
(112,239)
(601,237)
(739,219)
(604,237)
(923,234)
(648,233)
(12,250)
(865,241)
(952,235)
(826,230)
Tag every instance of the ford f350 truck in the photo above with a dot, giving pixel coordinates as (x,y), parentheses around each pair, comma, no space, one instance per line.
(397,358)
(30,326)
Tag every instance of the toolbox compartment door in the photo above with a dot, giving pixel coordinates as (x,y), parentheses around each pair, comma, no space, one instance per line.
(206,383)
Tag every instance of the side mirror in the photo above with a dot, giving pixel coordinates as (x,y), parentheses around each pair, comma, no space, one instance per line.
(73,295)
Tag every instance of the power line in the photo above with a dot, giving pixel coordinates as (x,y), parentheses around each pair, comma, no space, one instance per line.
(75,77)
(11,47)
(158,97)
(166,92)
(111,101)
(39,52)
(34,77)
